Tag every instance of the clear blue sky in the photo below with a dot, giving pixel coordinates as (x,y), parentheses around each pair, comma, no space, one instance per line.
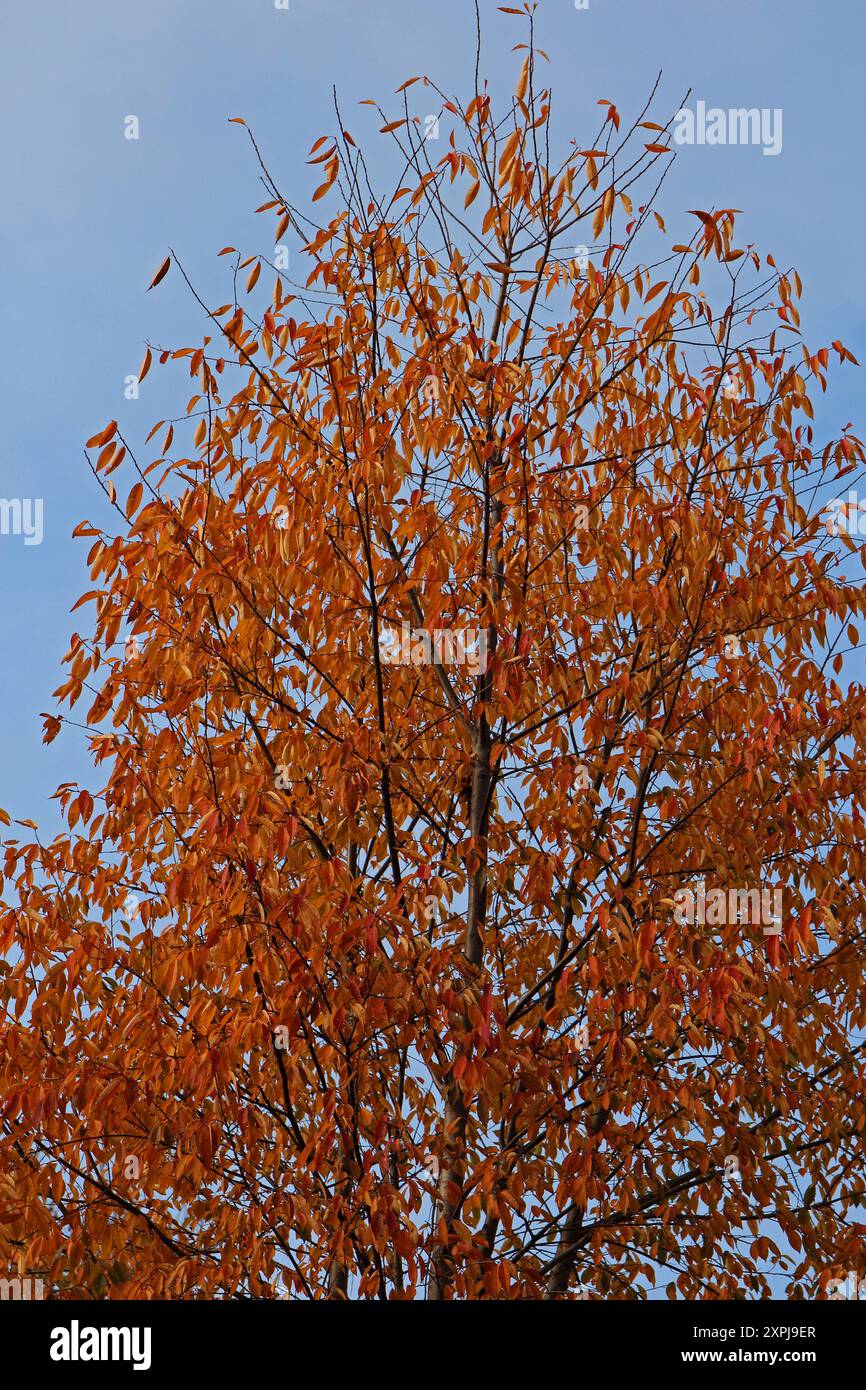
(87,215)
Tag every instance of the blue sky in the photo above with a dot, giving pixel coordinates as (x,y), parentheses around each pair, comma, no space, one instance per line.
(87,214)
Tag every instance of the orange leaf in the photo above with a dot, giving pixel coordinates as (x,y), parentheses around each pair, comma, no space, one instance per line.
(161,273)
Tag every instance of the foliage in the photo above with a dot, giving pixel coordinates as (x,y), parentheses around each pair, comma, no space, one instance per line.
(401,1003)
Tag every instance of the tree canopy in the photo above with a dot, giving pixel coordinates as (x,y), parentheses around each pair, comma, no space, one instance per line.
(476,614)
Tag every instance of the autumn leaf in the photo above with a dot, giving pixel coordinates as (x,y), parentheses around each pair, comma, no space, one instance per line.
(161,273)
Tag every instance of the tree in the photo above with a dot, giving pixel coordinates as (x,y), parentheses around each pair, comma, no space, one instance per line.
(468,904)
